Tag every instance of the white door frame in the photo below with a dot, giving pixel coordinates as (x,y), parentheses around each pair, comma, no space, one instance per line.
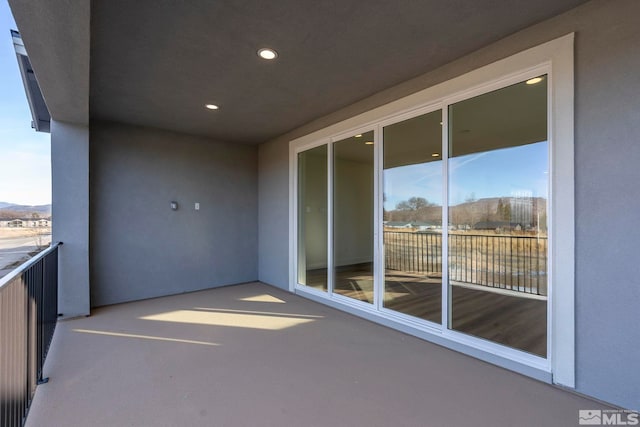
(554,58)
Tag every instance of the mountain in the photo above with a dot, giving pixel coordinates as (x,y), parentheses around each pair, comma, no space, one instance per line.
(21,211)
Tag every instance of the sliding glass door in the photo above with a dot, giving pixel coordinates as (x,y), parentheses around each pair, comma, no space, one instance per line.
(412,216)
(353,208)
(437,218)
(498,194)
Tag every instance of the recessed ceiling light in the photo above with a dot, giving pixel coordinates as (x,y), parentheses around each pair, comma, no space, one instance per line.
(359,135)
(435,155)
(266,53)
(369,142)
(534,80)
(212,106)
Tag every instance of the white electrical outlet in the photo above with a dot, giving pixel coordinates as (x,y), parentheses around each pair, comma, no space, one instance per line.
(197,206)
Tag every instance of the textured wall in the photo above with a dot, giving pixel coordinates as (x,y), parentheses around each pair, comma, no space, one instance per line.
(143,249)
(273,214)
(608,201)
(607,151)
(70,212)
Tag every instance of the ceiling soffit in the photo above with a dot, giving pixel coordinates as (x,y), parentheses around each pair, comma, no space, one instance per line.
(157,63)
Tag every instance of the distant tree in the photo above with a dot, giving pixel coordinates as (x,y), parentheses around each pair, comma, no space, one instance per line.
(413,204)
(414,209)
(35,215)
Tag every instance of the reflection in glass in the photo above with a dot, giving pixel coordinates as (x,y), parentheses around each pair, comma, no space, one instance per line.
(353,217)
(412,216)
(312,217)
(498,192)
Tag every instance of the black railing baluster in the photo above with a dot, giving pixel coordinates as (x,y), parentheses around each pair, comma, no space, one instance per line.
(28,312)
(493,261)
(469,270)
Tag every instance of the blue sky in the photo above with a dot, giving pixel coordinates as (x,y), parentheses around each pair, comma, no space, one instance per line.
(25,165)
(498,173)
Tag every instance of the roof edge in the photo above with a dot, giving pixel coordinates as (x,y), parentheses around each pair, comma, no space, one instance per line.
(41,118)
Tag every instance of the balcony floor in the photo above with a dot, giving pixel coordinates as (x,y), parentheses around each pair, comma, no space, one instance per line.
(253,355)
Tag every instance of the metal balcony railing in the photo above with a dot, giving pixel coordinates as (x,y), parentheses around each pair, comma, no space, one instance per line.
(514,263)
(28,315)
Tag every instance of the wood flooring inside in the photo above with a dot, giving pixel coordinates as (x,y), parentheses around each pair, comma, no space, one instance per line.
(515,321)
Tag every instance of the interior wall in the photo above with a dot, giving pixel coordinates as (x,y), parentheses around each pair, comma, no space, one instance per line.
(313,196)
(353,212)
(140,247)
(606,151)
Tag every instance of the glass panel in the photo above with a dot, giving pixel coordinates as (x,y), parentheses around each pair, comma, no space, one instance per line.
(412,217)
(498,193)
(312,218)
(353,216)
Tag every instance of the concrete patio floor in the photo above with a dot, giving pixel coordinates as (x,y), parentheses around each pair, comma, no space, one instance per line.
(253,355)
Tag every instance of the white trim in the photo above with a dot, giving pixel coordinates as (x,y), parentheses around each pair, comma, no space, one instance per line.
(293,220)
(555,58)
(563,213)
(445,320)
(550,227)
(330,260)
(378,249)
